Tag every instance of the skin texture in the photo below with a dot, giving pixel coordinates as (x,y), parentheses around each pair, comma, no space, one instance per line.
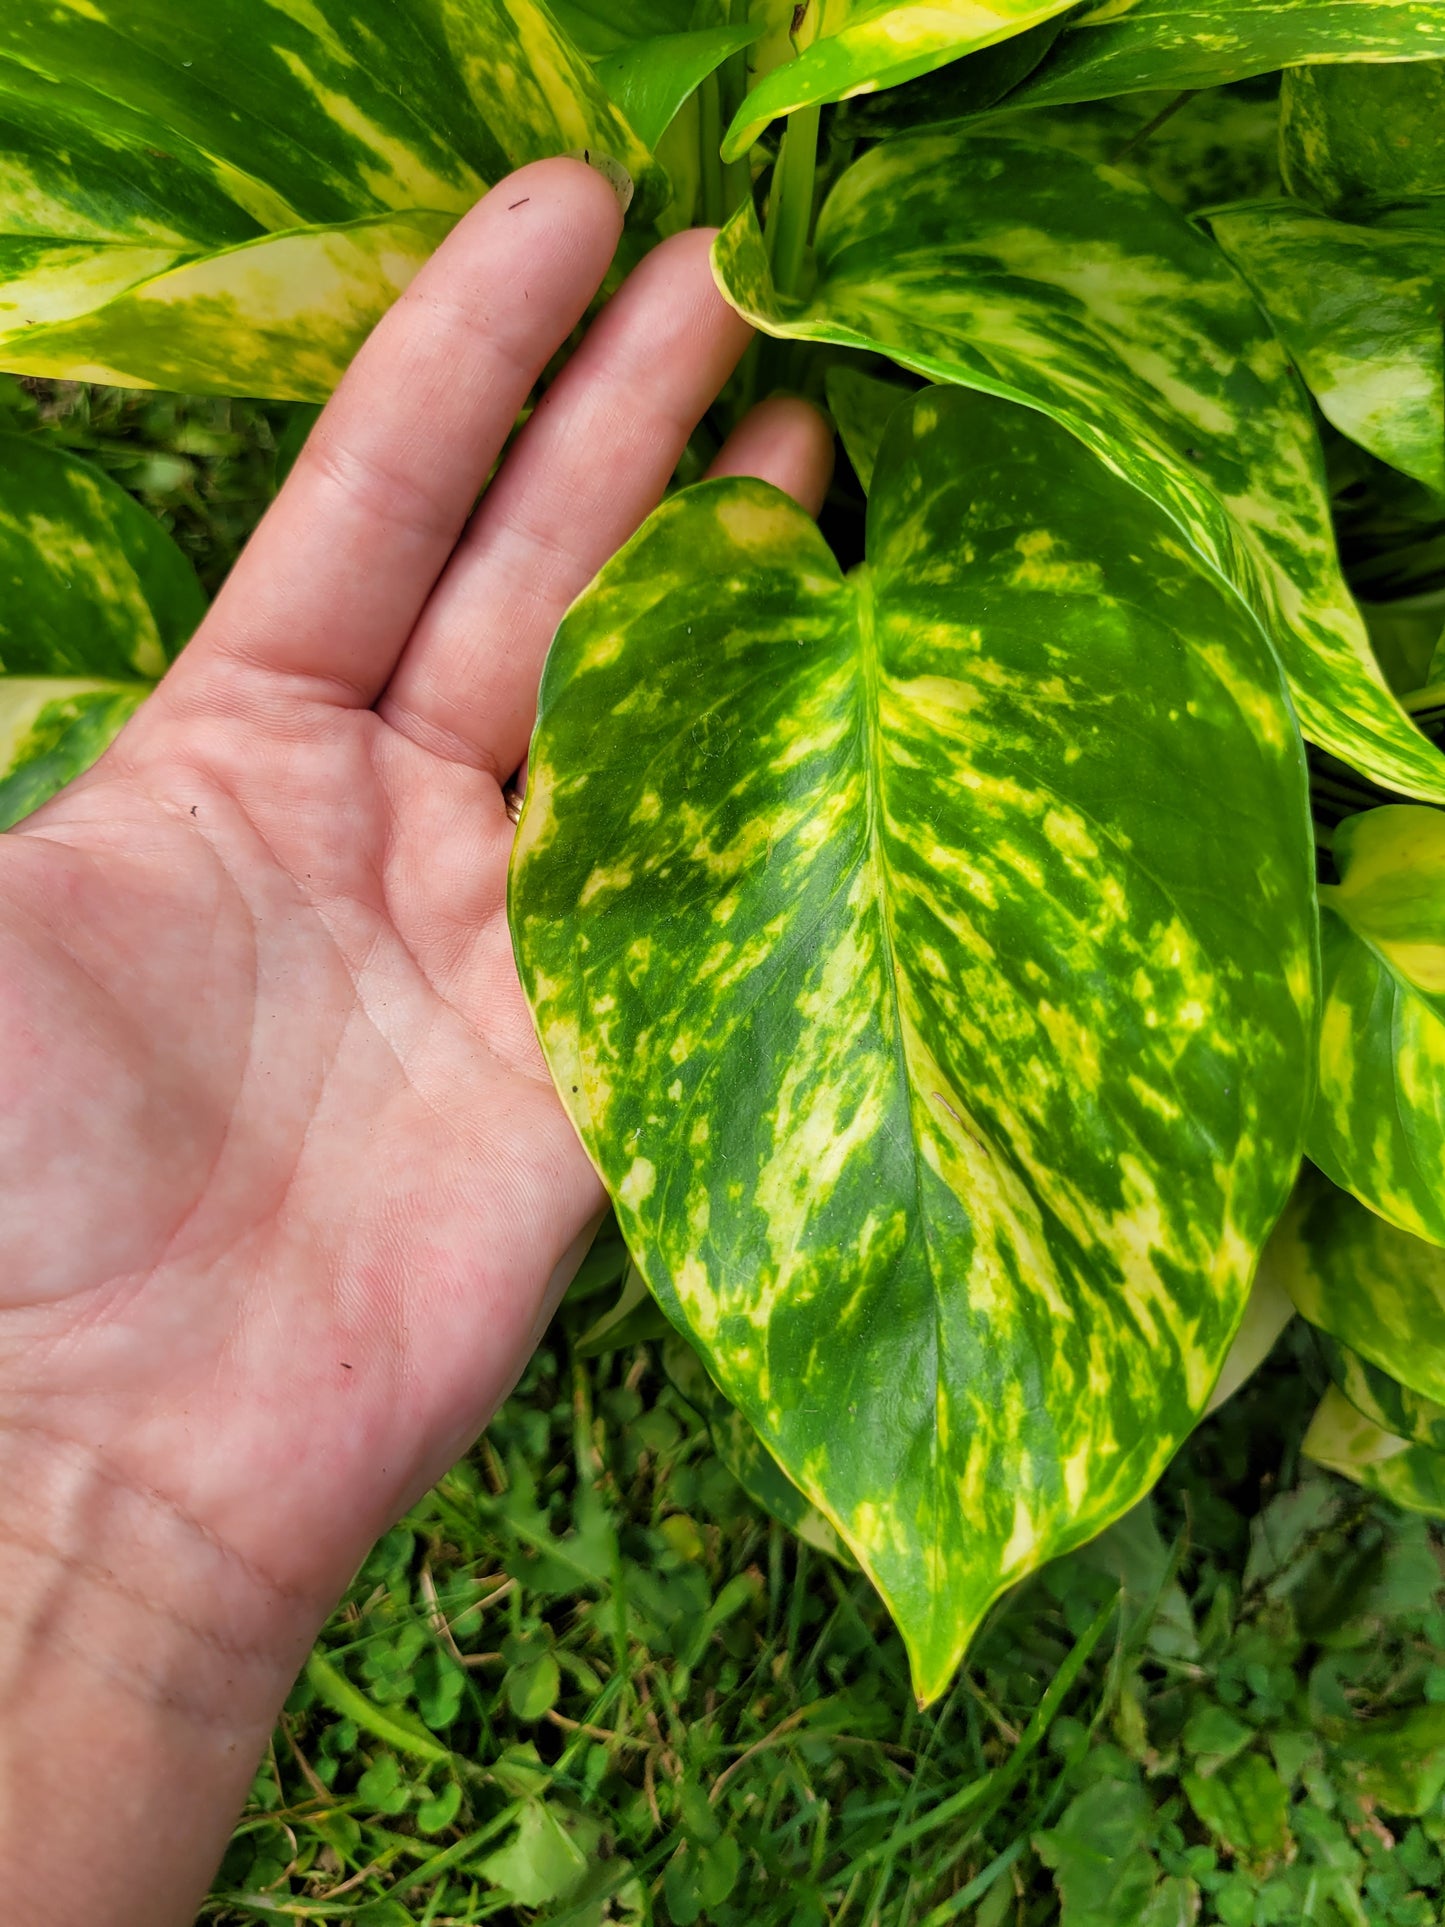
(288,1195)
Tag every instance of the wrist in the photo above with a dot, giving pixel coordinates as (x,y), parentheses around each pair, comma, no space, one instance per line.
(143,1663)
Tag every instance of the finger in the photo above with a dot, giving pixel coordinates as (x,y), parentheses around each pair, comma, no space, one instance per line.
(333,581)
(590,465)
(785,441)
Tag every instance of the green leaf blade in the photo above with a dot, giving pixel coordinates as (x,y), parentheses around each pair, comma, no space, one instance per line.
(1109,48)
(832,1012)
(1028,273)
(867,44)
(1378,1127)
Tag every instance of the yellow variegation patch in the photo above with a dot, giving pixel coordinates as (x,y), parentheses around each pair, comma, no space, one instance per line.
(933,1019)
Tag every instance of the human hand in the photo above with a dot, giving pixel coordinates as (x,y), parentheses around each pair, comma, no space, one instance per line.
(289,1197)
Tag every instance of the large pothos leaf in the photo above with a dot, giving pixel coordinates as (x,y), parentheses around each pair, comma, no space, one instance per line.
(1378,1126)
(1359,309)
(1343,1439)
(1035,275)
(1383,1399)
(1355,136)
(930,1004)
(95,599)
(225,198)
(1374,1288)
(849,47)
(1130,46)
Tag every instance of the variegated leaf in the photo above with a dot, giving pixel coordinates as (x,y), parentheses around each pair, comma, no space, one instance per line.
(1383,1399)
(225,198)
(1032,274)
(1215,146)
(1374,1288)
(1359,310)
(930,1008)
(1378,1126)
(849,47)
(1130,46)
(95,599)
(1358,135)
(1345,1441)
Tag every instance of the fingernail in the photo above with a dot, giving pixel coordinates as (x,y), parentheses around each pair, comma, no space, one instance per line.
(613,172)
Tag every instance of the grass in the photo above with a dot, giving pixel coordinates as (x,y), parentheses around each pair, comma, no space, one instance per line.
(590,1678)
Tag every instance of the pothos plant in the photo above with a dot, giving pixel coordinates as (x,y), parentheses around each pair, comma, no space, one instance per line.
(949,942)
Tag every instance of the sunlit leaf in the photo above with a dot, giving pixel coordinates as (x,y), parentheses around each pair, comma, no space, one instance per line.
(932,1011)
(194,202)
(1372,1287)
(1344,1440)
(1029,273)
(856,46)
(1378,1127)
(1359,310)
(1129,46)
(1356,135)
(95,599)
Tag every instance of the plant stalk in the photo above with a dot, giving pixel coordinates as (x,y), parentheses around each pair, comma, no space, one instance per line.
(790,209)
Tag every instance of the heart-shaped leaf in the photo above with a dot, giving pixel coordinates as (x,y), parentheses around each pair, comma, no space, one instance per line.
(1033,274)
(198,200)
(1378,1127)
(97,601)
(932,1012)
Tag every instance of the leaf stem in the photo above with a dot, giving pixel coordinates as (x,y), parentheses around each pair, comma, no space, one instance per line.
(709,107)
(790,206)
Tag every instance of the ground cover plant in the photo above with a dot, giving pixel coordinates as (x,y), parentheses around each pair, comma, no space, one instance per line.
(949,931)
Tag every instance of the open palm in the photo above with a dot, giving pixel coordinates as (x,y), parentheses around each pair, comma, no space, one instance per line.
(289,1195)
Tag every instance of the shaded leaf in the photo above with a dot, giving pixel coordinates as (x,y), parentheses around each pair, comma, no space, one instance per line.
(856,46)
(1399,1760)
(1356,135)
(1129,46)
(826,981)
(97,600)
(310,168)
(1358,309)
(1028,273)
(1376,1289)
(861,406)
(1383,1399)
(1341,1438)
(1269,1310)
(1378,1124)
